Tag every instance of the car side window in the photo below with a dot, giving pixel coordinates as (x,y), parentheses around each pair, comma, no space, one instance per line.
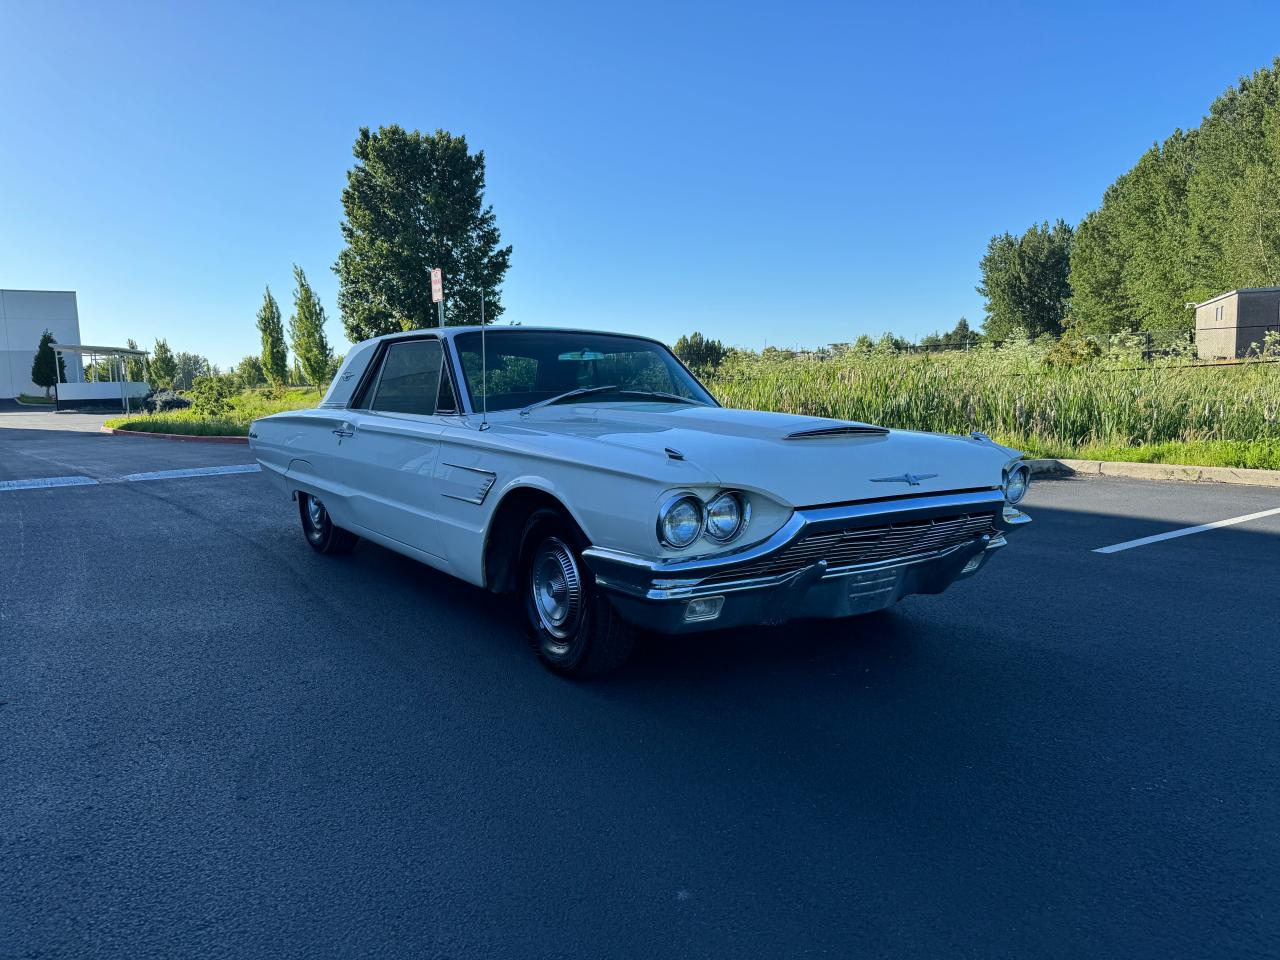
(409,381)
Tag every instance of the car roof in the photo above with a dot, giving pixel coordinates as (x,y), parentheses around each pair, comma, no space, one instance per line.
(448,332)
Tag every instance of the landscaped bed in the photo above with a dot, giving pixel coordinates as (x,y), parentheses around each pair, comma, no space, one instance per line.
(241,410)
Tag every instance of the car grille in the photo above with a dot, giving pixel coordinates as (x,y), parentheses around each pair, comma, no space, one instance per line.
(855,546)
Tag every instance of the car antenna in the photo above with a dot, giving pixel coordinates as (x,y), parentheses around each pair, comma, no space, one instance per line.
(484,370)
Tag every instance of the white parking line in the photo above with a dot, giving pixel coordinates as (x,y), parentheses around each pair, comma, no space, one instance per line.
(1186,531)
(78,481)
(194,472)
(46,482)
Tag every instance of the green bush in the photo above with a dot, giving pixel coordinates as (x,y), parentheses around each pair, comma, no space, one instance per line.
(211,397)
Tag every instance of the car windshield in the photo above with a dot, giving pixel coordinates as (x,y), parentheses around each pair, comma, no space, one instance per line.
(528,368)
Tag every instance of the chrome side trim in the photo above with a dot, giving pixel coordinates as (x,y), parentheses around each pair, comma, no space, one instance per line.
(484,483)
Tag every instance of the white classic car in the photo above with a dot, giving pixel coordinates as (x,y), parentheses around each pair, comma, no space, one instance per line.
(593,475)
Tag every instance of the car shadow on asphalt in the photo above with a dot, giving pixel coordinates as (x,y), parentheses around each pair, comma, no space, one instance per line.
(1037,584)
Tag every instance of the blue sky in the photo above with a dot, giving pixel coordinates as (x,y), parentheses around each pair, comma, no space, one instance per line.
(786,174)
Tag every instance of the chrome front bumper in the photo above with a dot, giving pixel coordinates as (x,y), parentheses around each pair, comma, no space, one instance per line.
(657,594)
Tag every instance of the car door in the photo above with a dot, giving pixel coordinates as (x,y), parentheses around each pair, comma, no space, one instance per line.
(389,459)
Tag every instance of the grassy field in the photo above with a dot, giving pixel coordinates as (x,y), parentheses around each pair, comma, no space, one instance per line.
(244,409)
(39,399)
(1114,407)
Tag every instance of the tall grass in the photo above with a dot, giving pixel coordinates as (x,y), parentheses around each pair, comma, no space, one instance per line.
(1015,393)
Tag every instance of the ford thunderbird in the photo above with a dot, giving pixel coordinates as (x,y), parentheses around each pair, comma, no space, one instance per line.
(594,477)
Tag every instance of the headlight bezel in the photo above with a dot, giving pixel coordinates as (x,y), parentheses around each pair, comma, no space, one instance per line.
(668,507)
(743,504)
(1021,469)
(702,500)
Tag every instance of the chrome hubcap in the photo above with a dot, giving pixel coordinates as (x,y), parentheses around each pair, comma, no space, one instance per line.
(557,590)
(315,512)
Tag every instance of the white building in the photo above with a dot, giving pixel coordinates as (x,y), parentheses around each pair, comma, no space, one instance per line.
(24,316)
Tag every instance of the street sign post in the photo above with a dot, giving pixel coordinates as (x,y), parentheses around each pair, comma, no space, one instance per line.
(437,291)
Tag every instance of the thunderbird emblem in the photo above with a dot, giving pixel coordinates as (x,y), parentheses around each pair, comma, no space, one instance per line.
(909,478)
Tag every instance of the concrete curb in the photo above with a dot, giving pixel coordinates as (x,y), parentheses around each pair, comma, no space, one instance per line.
(183,437)
(1154,471)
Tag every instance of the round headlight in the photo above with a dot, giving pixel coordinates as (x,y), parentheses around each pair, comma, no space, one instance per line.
(680,521)
(1016,481)
(725,517)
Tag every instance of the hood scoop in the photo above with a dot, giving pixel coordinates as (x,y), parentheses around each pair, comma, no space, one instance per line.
(844,430)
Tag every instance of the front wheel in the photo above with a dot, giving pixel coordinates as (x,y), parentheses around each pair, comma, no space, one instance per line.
(320,531)
(573,629)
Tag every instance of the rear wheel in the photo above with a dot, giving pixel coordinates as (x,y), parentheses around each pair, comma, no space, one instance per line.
(320,531)
(573,629)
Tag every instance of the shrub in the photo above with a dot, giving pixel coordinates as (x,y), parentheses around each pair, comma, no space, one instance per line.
(165,401)
(1071,351)
(211,396)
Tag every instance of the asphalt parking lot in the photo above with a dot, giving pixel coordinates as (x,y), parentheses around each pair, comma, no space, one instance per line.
(216,743)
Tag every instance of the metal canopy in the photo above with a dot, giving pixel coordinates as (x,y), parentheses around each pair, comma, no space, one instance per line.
(117,361)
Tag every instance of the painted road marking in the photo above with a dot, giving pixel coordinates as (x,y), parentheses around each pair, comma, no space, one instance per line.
(77,481)
(1186,531)
(46,482)
(194,472)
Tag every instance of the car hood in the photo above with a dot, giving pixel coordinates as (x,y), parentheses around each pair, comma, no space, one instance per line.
(750,449)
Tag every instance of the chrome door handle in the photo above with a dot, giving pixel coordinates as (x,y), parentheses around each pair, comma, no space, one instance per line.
(344,433)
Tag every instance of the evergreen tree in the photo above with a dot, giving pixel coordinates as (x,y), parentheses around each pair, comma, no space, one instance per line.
(415,201)
(43,372)
(306,331)
(275,357)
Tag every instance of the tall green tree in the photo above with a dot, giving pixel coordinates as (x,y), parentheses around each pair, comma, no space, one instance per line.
(190,367)
(1026,281)
(275,356)
(1100,302)
(1197,215)
(699,351)
(44,372)
(163,367)
(415,201)
(135,367)
(249,374)
(306,331)
(1130,261)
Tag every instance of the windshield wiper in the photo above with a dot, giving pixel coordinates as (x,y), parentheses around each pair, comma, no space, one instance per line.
(662,395)
(579,392)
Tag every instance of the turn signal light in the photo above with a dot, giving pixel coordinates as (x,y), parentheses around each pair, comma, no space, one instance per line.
(703,608)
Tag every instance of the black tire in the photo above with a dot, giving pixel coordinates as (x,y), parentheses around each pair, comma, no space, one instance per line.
(320,531)
(590,638)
